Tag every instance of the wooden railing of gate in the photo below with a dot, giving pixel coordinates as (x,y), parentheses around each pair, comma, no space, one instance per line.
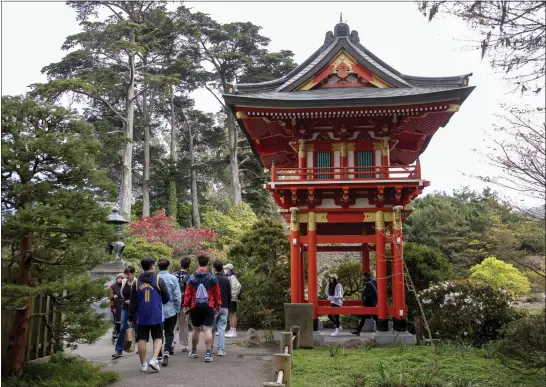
(41,341)
(283,361)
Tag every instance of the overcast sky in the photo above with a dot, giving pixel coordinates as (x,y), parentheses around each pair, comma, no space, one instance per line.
(33,32)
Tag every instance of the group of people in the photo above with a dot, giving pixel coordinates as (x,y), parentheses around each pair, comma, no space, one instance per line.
(334,294)
(154,304)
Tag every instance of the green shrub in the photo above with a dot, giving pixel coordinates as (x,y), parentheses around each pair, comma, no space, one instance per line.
(466,312)
(261,259)
(500,275)
(230,226)
(426,265)
(63,371)
(138,248)
(522,347)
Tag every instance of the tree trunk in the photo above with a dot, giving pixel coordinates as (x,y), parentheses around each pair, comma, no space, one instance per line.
(127,165)
(196,219)
(173,200)
(233,161)
(146,173)
(21,325)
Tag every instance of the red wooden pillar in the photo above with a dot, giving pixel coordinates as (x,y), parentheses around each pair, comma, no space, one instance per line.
(302,275)
(398,286)
(294,257)
(365,258)
(312,285)
(381,272)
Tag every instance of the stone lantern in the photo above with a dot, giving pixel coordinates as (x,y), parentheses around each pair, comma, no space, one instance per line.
(118,246)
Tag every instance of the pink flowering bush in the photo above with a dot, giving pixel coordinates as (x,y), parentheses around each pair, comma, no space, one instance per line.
(184,241)
(466,312)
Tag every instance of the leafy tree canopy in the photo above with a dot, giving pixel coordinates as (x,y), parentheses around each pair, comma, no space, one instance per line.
(502,275)
(231,225)
(54,206)
(261,258)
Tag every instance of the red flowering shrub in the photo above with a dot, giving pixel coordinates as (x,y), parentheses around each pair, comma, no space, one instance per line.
(162,228)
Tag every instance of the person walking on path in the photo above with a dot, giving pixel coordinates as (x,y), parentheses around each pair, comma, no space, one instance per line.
(148,295)
(126,296)
(170,309)
(369,298)
(235,292)
(116,304)
(183,276)
(220,319)
(334,293)
(202,297)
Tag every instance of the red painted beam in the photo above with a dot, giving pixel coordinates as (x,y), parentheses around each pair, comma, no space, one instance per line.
(336,248)
(327,239)
(353,310)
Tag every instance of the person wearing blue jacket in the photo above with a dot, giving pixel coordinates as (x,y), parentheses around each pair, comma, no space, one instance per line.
(170,309)
(148,295)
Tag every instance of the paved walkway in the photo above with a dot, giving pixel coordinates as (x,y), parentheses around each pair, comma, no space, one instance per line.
(242,367)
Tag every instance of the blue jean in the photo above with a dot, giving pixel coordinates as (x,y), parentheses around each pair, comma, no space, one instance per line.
(122,330)
(220,324)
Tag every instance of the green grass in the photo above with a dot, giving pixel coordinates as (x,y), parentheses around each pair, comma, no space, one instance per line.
(404,366)
(63,371)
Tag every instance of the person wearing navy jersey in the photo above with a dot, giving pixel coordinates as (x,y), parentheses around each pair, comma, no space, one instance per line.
(148,295)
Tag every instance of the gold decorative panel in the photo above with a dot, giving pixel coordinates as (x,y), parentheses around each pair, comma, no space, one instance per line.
(320,217)
(370,217)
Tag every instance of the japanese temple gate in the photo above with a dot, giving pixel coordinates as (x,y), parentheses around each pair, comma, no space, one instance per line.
(341,135)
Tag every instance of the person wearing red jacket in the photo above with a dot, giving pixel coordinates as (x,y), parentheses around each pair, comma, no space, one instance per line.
(201,299)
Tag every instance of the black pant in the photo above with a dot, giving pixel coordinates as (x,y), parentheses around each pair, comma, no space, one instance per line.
(168,326)
(334,318)
(366,317)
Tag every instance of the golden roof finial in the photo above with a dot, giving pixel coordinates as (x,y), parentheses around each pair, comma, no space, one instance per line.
(341,17)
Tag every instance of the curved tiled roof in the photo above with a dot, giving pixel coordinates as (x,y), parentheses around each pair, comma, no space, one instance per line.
(349,96)
(333,43)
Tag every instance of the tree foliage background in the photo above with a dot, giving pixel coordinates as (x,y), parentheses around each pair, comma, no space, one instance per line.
(188,179)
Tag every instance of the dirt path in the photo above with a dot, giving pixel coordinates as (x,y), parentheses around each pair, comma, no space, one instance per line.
(242,367)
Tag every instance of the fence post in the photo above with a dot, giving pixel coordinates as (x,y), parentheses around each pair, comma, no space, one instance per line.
(419,329)
(281,366)
(296,332)
(286,345)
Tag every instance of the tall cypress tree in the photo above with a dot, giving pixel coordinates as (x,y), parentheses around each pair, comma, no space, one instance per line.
(111,65)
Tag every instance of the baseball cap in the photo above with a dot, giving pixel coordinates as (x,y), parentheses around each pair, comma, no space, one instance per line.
(229,266)
(333,275)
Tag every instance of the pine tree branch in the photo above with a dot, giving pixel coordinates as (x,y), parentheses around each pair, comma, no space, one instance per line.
(218,99)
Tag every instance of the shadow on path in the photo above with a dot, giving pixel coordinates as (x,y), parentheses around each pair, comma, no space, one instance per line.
(241,367)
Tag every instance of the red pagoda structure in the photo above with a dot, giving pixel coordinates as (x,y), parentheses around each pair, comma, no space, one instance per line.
(341,135)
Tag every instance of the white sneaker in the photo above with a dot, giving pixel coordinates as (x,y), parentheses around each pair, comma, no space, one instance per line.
(336,333)
(217,333)
(185,348)
(144,368)
(231,333)
(221,352)
(154,364)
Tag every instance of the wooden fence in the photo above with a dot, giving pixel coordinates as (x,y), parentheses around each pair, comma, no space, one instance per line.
(41,342)
(283,361)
